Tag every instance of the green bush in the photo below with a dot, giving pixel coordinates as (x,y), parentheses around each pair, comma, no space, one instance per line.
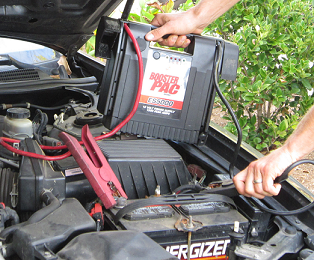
(149,9)
(275,73)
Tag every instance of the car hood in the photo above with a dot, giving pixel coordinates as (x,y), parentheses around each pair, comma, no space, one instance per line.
(63,25)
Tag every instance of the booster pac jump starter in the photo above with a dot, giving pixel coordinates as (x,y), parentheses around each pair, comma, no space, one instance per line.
(178,87)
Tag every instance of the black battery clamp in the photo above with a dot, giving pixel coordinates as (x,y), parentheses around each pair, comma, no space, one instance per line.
(178,90)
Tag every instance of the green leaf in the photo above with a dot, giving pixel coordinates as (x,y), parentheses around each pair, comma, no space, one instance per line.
(306,83)
(242,121)
(243,89)
(295,88)
(253,120)
(257,140)
(147,15)
(283,125)
(134,17)
(168,7)
(248,96)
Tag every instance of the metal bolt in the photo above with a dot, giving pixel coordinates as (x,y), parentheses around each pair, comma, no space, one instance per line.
(190,223)
(254,232)
(68,126)
(157,191)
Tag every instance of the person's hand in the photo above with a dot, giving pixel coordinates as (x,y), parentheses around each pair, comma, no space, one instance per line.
(257,180)
(176,26)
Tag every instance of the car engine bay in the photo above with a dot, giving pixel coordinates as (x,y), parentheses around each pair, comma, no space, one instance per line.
(133,194)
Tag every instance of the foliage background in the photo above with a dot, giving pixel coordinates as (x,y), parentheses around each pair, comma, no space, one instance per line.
(275,75)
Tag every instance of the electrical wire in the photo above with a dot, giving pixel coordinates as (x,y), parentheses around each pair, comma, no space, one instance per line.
(284,176)
(234,118)
(29,105)
(139,90)
(3,140)
(34,155)
(40,122)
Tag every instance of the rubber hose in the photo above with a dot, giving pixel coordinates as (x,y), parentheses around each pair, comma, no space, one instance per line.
(52,204)
(13,215)
(28,105)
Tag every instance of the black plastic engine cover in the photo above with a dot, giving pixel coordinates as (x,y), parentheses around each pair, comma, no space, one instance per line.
(51,233)
(36,175)
(114,245)
(141,165)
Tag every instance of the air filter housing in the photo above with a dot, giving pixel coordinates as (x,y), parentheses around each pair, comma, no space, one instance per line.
(141,165)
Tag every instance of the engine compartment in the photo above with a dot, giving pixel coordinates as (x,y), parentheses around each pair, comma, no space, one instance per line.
(148,169)
(179,200)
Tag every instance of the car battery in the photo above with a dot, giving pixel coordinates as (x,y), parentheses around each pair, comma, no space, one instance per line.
(178,87)
(161,223)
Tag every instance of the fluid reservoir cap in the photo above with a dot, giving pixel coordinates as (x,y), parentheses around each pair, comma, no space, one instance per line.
(90,118)
(18,112)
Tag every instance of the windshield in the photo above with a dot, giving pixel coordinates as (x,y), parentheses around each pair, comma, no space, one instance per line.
(17,54)
(27,52)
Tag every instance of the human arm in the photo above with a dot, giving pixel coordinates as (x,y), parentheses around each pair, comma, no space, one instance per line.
(267,168)
(192,21)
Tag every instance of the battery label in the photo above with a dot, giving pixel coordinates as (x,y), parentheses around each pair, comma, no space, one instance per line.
(164,84)
(72,172)
(200,250)
(153,212)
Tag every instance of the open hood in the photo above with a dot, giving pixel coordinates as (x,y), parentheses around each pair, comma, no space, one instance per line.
(63,25)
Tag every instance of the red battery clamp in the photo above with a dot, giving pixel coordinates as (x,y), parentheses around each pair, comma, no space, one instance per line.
(95,167)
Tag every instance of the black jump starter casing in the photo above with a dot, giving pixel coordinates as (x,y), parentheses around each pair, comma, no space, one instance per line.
(178,88)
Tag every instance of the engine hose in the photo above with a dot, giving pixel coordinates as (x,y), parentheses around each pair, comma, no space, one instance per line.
(40,122)
(52,204)
(29,105)
(11,215)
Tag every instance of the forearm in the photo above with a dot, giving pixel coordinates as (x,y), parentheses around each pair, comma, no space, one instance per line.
(208,11)
(301,142)
(267,168)
(192,21)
